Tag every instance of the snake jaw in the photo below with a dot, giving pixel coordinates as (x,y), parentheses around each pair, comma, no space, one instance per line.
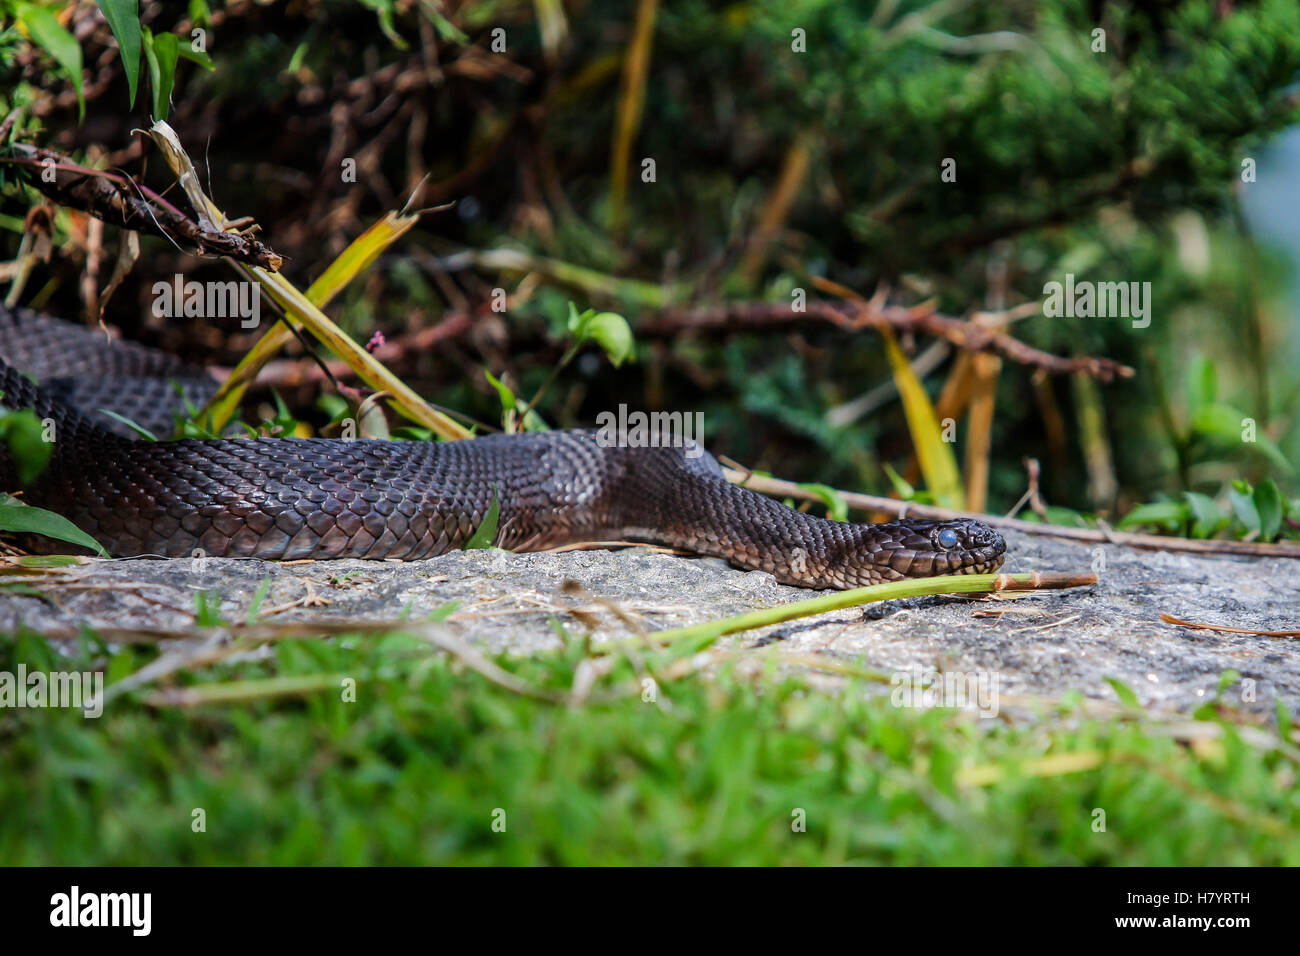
(984,567)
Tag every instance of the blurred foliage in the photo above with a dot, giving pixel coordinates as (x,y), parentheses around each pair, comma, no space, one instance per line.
(288,772)
(1116,165)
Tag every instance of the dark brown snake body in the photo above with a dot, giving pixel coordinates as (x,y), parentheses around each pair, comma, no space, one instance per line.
(287,498)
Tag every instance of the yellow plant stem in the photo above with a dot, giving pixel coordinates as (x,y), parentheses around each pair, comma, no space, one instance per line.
(697,637)
(305,309)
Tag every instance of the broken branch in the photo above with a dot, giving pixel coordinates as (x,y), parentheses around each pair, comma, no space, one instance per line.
(969,336)
(121,200)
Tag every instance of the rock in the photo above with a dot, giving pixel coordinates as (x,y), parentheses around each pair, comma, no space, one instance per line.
(1040,644)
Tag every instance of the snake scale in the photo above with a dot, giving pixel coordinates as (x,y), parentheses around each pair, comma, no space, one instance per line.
(289,498)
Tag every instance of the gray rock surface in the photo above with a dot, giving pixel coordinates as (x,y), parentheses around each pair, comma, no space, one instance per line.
(1041,644)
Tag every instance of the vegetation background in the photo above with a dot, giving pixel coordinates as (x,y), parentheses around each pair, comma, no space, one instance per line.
(796,144)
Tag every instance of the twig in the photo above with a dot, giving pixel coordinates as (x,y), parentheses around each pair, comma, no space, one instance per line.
(291,373)
(1170,619)
(1031,494)
(970,336)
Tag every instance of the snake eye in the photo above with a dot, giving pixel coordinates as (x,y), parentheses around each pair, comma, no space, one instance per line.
(948,539)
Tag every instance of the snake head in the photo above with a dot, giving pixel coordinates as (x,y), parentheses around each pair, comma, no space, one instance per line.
(917,548)
(976,547)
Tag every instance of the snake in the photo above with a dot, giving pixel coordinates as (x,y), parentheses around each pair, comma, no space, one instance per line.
(285,498)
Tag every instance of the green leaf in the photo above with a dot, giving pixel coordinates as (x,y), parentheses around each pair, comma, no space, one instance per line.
(507,397)
(255,605)
(1068,517)
(484,533)
(411,433)
(138,429)
(1218,422)
(1207,711)
(24,519)
(48,560)
(161,52)
(384,10)
(1243,506)
(446,29)
(901,485)
(1207,518)
(1124,693)
(335,406)
(295,61)
(24,434)
(1269,450)
(1202,383)
(509,402)
(1166,514)
(442,612)
(1268,502)
(194,56)
(397,646)
(836,508)
(207,609)
(24,589)
(1224,425)
(609,330)
(123,18)
(283,423)
(47,33)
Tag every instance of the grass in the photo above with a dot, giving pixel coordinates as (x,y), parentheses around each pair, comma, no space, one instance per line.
(718,769)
